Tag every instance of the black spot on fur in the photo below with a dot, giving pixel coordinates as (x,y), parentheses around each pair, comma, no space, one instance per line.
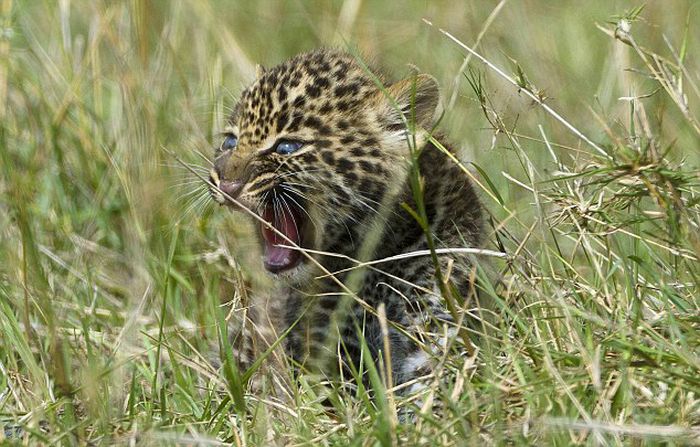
(282,95)
(344,165)
(272,78)
(259,184)
(322,82)
(326,108)
(313,122)
(295,80)
(328,157)
(296,122)
(367,187)
(309,157)
(394,127)
(368,167)
(370,141)
(339,195)
(299,102)
(344,90)
(282,120)
(351,178)
(313,91)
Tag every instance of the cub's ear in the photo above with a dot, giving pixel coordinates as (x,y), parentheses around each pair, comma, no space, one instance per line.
(416,97)
(259,71)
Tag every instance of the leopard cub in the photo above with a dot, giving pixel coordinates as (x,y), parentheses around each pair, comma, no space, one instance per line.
(318,152)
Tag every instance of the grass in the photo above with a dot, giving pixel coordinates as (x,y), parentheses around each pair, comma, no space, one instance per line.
(115,278)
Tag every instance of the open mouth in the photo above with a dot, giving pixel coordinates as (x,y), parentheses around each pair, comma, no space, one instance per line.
(286,217)
(287,220)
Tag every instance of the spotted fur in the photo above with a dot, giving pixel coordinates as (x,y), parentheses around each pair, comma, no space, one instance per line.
(347,183)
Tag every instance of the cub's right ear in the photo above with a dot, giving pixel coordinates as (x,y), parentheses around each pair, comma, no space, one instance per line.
(259,71)
(416,97)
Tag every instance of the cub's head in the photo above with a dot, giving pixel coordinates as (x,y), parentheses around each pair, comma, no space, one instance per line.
(315,147)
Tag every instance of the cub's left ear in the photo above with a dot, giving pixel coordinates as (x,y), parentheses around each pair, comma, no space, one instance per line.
(416,97)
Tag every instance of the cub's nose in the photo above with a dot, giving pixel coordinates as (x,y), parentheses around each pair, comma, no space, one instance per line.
(228,176)
(231,188)
(220,164)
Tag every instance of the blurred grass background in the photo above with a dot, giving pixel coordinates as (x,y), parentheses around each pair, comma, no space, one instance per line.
(112,271)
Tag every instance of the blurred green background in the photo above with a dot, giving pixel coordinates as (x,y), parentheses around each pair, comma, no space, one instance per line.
(152,74)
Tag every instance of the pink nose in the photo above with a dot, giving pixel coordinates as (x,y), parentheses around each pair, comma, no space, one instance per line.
(232,189)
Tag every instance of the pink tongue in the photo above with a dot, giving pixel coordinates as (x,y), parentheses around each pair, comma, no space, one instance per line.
(276,258)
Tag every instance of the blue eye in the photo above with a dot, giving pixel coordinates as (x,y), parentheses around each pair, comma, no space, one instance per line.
(229,143)
(286,147)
